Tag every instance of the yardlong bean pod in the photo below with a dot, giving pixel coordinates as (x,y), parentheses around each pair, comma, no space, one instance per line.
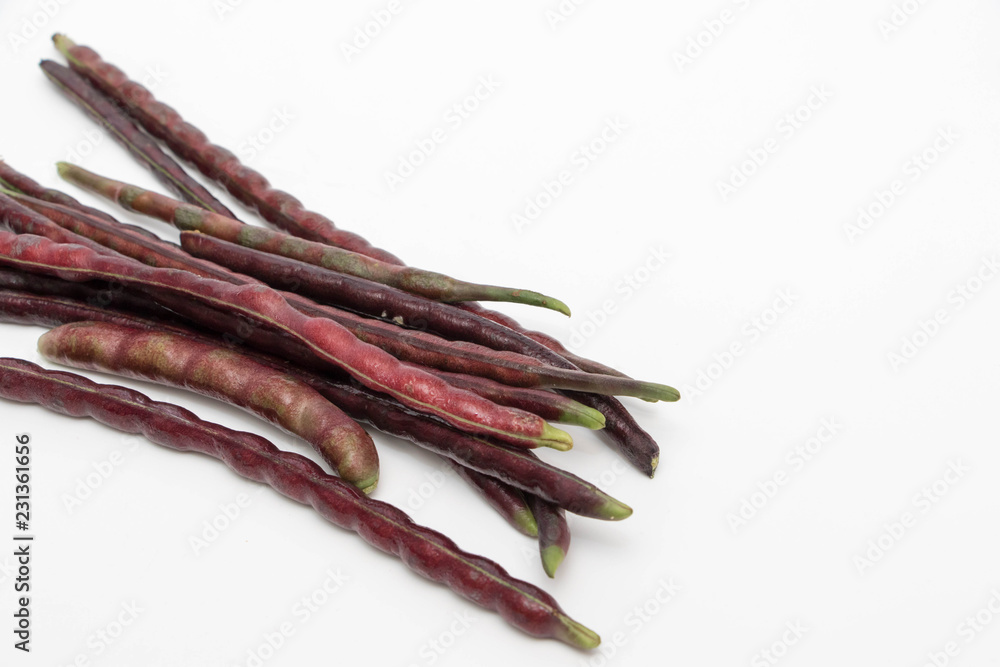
(187,217)
(125,131)
(427,552)
(219,164)
(41,301)
(212,370)
(324,338)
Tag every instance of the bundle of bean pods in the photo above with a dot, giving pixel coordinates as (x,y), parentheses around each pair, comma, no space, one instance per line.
(312,329)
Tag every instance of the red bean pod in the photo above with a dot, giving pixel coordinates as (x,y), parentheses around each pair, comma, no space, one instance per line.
(18,181)
(420,348)
(79,91)
(548,341)
(403,343)
(125,240)
(518,467)
(429,284)
(365,296)
(546,404)
(515,466)
(621,429)
(21,307)
(324,338)
(12,179)
(427,552)
(22,220)
(214,371)
(217,163)
(95,295)
(635,444)
(553,533)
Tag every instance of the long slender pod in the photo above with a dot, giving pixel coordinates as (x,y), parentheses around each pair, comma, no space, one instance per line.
(117,123)
(187,217)
(373,299)
(266,308)
(12,179)
(217,163)
(514,466)
(546,404)
(427,552)
(22,220)
(622,431)
(408,345)
(250,187)
(214,371)
(21,307)
(635,444)
(127,240)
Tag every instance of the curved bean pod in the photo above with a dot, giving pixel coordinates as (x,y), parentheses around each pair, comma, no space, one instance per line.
(186,217)
(280,208)
(427,552)
(12,179)
(324,338)
(373,299)
(21,307)
(421,348)
(22,220)
(212,370)
(517,467)
(219,164)
(79,91)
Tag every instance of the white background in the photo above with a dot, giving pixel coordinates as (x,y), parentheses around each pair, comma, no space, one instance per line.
(855,299)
